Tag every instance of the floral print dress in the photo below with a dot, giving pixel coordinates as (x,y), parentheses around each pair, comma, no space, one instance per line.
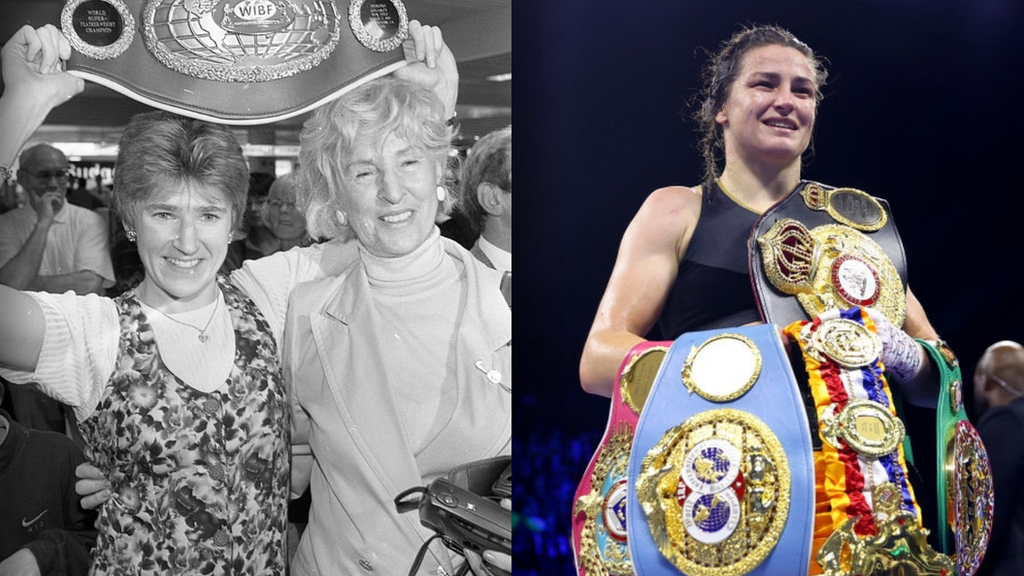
(200,481)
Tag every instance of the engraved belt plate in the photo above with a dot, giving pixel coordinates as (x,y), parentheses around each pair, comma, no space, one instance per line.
(848,343)
(867,427)
(715,490)
(849,206)
(832,266)
(971,495)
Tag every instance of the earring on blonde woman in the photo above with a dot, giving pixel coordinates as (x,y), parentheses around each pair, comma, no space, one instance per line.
(342,218)
(442,192)
(130,234)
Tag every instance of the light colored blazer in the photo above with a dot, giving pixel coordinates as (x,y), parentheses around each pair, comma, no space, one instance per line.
(338,365)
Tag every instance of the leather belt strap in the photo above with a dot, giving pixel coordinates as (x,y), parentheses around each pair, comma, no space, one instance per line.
(721,474)
(234,61)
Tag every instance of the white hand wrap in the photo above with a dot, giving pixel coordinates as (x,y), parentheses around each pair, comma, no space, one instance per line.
(902,356)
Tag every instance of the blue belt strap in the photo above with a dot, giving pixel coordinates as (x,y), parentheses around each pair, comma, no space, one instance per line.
(775,400)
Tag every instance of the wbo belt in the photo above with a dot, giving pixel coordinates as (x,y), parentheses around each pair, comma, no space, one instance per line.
(234,61)
(600,538)
(721,475)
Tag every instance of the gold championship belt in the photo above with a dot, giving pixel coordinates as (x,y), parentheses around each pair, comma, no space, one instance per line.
(828,248)
(830,253)
(234,61)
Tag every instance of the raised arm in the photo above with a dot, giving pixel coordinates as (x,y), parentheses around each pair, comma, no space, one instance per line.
(431,64)
(646,267)
(34,83)
(22,327)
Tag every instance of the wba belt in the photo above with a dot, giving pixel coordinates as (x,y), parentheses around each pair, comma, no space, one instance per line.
(600,540)
(965,478)
(721,477)
(822,248)
(234,61)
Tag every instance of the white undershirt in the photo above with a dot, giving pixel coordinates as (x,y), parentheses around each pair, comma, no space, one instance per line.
(204,366)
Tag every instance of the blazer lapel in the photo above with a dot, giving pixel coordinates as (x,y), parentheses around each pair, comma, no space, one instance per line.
(356,368)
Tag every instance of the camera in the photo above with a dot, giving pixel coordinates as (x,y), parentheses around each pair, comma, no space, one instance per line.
(466,520)
(465,510)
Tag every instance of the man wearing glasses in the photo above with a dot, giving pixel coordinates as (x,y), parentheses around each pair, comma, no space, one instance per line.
(50,245)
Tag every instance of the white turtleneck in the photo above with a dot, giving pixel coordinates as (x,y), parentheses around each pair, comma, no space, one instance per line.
(417,298)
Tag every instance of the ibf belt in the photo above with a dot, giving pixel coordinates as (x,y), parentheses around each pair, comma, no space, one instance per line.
(965,479)
(875,516)
(721,475)
(234,61)
(600,539)
(823,248)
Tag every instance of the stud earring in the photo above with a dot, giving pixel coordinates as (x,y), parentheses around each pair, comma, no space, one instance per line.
(442,193)
(342,218)
(130,234)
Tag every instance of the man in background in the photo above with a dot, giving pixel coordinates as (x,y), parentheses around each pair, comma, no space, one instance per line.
(486,190)
(999,401)
(50,245)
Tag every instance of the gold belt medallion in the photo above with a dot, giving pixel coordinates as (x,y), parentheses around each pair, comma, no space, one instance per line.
(638,377)
(832,266)
(723,368)
(715,490)
(846,342)
(867,427)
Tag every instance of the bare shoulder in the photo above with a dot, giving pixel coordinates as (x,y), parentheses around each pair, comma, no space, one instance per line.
(669,213)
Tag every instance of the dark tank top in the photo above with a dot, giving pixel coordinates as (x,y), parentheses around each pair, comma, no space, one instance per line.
(713,288)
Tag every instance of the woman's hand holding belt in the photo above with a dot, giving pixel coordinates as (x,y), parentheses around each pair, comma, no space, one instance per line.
(902,356)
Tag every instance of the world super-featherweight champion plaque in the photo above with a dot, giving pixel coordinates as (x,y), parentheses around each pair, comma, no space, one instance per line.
(234,61)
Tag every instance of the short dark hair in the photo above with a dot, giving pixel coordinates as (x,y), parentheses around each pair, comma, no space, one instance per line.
(720,74)
(160,148)
(490,161)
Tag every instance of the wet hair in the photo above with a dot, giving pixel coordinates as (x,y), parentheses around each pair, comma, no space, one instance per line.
(720,74)
(160,150)
(374,111)
(490,161)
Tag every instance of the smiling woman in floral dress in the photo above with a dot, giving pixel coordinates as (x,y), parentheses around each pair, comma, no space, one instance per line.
(176,383)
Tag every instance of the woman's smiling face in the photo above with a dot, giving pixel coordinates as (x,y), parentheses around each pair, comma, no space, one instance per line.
(389,196)
(182,236)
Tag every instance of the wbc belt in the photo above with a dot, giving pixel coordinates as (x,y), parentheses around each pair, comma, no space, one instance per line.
(965,480)
(234,61)
(721,477)
(600,539)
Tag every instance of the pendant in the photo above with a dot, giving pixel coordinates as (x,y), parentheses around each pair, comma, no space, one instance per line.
(203,337)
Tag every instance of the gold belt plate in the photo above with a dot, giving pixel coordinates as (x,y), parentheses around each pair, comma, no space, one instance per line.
(716,493)
(832,266)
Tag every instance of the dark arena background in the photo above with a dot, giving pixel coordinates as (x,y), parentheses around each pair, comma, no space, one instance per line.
(924,106)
